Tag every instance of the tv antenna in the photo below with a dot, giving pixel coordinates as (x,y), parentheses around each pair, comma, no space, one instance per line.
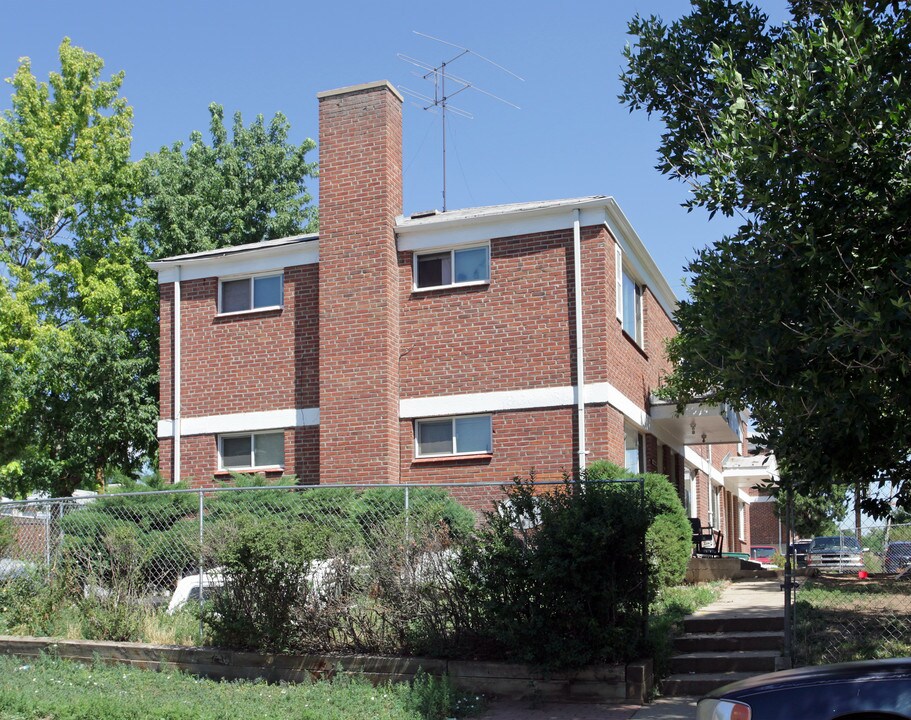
(439,75)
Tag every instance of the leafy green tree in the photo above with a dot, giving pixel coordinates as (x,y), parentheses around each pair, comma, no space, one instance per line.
(245,189)
(817,514)
(76,324)
(804,313)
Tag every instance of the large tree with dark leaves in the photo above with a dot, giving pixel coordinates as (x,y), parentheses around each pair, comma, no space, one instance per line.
(245,188)
(802,130)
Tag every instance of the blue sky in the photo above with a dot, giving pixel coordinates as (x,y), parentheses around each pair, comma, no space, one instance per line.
(571,136)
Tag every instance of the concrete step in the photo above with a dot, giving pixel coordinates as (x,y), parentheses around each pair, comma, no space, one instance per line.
(748,661)
(729,642)
(741,624)
(686,684)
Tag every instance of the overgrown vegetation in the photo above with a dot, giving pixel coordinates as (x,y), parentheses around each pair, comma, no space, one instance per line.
(62,690)
(157,535)
(53,605)
(558,576)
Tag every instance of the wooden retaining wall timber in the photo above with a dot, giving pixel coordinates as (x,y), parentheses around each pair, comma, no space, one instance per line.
(604,683)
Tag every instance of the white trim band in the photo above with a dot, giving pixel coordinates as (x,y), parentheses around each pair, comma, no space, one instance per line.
(241,422)
(700,463)
(263,260)
(602,393)
(552,397)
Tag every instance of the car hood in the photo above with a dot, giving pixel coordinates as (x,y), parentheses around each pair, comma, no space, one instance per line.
(821,674)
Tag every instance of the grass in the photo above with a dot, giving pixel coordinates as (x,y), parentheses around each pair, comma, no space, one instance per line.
(843,618)
(666,617)
(54,689)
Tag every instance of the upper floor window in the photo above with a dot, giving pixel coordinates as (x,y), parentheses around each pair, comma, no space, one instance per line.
(466,435)
(258,292)
(628,299)
(251,450)
(461,266)
(632,309)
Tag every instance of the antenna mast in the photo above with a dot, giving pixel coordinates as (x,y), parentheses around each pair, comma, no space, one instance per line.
(440,99)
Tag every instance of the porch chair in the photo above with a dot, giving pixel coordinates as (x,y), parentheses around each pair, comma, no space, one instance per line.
(706,540)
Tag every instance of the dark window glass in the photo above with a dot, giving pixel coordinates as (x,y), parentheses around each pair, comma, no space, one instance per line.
(435,437)
(235,452)
(434,270)
(235,295)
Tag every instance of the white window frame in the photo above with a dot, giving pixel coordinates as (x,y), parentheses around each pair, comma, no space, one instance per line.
(714,505)
(693,481)
(637,333)
(452,251)
(622,273)
(618,273)
(742,520)
(221,457)
(452,419)
(640,448)
(710,500)
(252,280)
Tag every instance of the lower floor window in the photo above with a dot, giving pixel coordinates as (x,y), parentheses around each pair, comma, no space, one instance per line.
(251,450)
(453,436)
(633,458)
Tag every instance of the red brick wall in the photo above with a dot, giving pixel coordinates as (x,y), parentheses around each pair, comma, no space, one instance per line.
(518,332)
(521,326)
(636,371)
(238,363)
(199,458)
(165,356)
(541,440)
(360,196)
(764,526)
(246,362)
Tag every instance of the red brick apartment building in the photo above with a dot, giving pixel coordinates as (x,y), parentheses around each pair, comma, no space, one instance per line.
(459,346)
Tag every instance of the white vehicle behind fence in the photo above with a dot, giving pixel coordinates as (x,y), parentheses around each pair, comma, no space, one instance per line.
(188,588)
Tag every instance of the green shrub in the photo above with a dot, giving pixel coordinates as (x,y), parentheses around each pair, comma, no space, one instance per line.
(557,577)
(669,539)
(7,535)
(265,566)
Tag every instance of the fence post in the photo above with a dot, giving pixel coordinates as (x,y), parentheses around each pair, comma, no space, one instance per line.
(47,541)
(201,530)
(789,628)
(642,510)
(407,516)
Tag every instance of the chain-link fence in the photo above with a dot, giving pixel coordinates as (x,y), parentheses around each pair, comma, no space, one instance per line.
(854,603)
(160,540)
(308,568)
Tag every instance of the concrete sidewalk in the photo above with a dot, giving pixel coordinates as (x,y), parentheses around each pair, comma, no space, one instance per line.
(747,598)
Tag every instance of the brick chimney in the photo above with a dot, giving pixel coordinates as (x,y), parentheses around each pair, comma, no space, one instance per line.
(360,195)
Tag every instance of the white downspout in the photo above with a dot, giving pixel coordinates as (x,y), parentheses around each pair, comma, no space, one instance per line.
(175,474)
(580,344)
